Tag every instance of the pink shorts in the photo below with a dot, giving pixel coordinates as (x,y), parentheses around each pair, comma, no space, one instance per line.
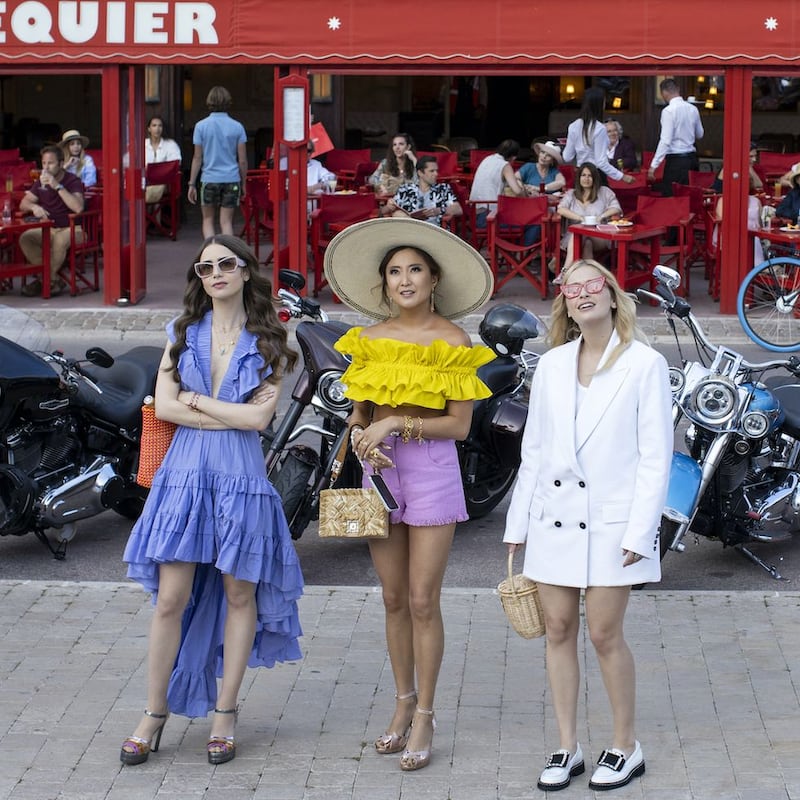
(426,482)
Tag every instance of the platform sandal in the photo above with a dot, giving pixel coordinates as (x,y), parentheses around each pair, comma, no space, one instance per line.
(222,749)
(136,750)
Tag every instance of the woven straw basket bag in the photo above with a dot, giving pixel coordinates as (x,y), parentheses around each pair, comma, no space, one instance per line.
(520,598)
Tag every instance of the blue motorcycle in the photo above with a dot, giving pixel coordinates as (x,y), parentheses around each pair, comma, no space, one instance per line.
(739,479)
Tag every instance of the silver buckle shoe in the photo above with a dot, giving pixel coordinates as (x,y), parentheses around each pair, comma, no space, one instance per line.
(560,769)
(615,770)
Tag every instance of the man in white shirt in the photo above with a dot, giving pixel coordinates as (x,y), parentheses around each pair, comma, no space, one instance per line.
(680,128)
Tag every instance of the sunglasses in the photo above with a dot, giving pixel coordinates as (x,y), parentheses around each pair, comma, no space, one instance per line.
(592,286)
(228,264)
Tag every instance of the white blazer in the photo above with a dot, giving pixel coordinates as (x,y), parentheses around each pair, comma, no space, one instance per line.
(593,484)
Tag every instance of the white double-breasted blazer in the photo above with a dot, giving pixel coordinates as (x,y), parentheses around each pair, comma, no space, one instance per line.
(593,483)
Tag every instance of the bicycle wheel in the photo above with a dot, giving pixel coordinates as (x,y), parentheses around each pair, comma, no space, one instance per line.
(768,305)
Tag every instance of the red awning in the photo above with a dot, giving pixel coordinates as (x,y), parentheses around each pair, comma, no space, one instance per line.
(448,32)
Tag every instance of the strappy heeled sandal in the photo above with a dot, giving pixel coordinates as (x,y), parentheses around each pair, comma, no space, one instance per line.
(392,742)
(136,750)
(417,759)
(222,749)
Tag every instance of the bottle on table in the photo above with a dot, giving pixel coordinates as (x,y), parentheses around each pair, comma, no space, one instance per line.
(7,213)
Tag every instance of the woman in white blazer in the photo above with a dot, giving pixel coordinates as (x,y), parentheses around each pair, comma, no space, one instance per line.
(587,504)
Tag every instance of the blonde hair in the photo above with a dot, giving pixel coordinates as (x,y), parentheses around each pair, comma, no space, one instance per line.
(564,329)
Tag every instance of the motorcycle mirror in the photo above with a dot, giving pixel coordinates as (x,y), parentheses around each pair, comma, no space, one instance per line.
(294,280)
(99,357)
(668,276)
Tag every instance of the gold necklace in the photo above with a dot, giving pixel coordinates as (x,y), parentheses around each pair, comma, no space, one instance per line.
(223,347)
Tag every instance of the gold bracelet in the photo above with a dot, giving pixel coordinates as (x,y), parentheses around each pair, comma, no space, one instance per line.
(408,427)
(420,440)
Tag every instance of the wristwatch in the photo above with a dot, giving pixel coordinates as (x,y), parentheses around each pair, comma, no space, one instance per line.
(59,187)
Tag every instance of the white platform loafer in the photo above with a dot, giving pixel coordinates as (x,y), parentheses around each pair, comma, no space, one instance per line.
(615,770)
(560,769)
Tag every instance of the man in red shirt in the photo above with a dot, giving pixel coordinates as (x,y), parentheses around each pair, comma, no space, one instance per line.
(55,196)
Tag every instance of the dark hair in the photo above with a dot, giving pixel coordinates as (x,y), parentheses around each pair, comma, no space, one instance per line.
(262,318)
(508,148)
(423,162)
(428,259)
(218,99)
(594,103)
(55,150)
(163,124)
(391,162)
(669,85)
(596,182)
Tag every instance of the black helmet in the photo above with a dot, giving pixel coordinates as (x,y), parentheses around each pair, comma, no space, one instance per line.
(506,327)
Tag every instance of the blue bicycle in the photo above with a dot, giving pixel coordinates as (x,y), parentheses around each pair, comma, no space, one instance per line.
(768,304)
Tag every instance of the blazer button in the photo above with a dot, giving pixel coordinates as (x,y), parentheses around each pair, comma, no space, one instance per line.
(557,483)
(582,526)
(557,524)
(582,484)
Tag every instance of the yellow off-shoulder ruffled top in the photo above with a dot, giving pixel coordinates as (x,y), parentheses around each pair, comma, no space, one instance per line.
(391,373)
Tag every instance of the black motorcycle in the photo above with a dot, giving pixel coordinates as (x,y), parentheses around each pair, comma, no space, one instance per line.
(69,438)
(300,453)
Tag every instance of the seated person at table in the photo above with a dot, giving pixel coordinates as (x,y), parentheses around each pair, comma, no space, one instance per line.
(493,176)
(621,152)
(76,160)
(789,207)
(755,182)
(158,149)
(55,195)
(588,199)
(317,176)
(398,167)
(544,170)
(753,223)
(426,199)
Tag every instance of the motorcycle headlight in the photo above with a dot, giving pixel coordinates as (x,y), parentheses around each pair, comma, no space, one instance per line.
(755,424)
(677,380)
(714,400)
(331,391)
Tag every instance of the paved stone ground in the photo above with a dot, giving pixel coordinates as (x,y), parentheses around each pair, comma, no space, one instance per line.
(718,684)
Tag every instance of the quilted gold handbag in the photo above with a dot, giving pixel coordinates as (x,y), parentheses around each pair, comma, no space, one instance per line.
(351,513)
(153,445)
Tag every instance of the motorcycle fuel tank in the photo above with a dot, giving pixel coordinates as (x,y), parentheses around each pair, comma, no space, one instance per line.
(684,483)
(26,383)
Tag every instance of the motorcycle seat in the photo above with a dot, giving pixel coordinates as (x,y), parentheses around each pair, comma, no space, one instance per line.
(125,384)
(499,374)
(789,397)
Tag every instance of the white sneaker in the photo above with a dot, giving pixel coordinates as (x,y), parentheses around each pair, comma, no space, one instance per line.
(614,770)
(560,768)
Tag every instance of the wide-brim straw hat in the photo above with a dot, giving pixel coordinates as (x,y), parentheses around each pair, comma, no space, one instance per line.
(795,171)
(551,148)
(354,255)
(71,136)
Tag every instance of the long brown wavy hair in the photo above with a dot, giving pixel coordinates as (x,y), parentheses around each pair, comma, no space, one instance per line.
(259,305)
(392,167)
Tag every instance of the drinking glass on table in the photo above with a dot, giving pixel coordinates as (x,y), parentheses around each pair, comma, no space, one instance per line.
(332,185)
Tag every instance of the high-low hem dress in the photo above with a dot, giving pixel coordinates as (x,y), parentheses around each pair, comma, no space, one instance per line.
(211,504)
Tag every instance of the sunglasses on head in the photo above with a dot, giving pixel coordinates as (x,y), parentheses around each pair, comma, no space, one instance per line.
(227,264)
(592,286)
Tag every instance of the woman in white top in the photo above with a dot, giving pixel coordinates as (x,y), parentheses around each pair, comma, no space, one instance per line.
(587,199)
(587,137)
(156,150)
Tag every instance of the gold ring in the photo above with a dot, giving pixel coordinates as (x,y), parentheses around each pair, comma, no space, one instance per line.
(375,452)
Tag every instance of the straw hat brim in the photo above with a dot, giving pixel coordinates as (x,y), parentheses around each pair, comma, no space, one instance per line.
(70,136)
(354,255)
(795,171)
(553,152)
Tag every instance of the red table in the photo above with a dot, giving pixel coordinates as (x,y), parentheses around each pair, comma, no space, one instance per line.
(789,239)
(12,261)
(622,238)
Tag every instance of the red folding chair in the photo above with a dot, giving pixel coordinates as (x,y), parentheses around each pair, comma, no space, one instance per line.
(335,213)
(344,163)
(446,161)
(701,178)
(475,158)
(163,216)
(670,212)
(699,201)
(508,254)
(81,270)
(257,210)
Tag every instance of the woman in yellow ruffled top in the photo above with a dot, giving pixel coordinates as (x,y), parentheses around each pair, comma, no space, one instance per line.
(412,379)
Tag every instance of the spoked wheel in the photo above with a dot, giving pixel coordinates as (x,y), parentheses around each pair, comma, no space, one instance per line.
(768,305)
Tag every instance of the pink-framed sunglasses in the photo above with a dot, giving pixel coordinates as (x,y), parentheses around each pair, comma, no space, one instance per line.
(592,286)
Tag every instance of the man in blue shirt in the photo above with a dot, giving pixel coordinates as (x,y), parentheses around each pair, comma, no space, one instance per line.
(220,144)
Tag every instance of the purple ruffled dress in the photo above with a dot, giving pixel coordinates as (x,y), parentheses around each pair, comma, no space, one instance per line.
(211,504)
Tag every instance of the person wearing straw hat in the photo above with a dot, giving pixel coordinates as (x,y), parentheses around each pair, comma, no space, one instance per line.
(76,160)
(789,207)
(412,379)
(596,456)
(544,171)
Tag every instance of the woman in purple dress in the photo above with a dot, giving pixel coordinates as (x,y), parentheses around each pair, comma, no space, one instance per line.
(212,544)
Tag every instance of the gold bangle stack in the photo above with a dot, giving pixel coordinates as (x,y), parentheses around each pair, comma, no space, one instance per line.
(420,440)
(408,429)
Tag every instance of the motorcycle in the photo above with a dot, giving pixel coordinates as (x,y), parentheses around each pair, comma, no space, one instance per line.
(489,457)
(739,480)
(69,438)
